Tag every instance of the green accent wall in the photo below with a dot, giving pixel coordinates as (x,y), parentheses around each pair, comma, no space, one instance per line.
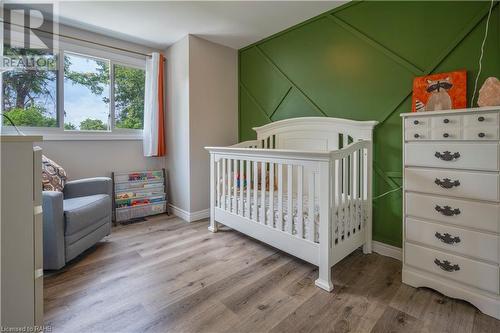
(358,61)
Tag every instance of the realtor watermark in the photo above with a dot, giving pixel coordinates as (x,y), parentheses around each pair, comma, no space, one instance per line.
(29,36)
(32,62)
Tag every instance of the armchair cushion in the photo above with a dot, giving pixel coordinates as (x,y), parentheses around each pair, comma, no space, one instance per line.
(86,212)
(88,186)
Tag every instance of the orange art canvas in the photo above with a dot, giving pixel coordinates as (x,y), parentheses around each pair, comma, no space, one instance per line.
(442,91)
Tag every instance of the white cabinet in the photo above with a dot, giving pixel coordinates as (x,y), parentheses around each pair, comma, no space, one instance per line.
(451,223)
(21,232)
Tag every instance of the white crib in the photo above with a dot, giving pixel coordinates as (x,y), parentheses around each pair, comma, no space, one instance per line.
(304,187)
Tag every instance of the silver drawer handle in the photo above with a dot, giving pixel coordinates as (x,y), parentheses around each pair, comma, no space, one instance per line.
(447,238)
(447,183)
(447,156)
(445,265)
(447,210)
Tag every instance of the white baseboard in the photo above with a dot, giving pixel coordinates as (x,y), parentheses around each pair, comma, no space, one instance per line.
(387,250)
(190,217)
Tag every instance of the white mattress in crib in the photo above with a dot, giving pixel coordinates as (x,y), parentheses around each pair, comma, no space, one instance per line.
(345,211)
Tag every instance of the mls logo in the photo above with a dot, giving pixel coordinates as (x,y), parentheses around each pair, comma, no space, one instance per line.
(28,25)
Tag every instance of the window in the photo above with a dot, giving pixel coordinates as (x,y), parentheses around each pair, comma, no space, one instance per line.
(89,93)
(29,96)
(129,97)
(86,93)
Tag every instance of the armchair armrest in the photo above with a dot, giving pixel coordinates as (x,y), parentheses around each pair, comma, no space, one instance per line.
(87,186)
(53,230)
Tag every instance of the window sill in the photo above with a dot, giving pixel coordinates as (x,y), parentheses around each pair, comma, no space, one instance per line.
(58,135)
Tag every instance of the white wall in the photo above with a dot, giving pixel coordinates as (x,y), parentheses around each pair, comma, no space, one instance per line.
(202,110)
(82,159)
(98,158)
(213,117)
(177,122)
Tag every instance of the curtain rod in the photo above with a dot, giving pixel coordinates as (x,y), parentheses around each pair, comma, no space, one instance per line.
(85,40)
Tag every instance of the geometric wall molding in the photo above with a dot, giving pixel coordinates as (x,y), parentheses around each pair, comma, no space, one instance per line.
(358,61)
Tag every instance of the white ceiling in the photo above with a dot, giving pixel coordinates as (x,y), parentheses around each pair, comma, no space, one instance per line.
(159,24)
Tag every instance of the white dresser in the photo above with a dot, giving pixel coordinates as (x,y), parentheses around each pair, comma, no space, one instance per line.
(21,233)
(451,230)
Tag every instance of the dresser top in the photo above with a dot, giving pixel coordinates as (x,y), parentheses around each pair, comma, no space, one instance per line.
(455,111)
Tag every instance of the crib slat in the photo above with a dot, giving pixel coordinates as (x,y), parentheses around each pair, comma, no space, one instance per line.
(345,196)
(355,186)
(338,199)
(334,217)
(255,190)
(351,192)
(230,184)
(218,194)
(247,174)
(271,195)
(311,232)
(365,186)
(279,224)
(289,184)
(300,183)
(341,199)
(223,183)
(362,188)
(241,209)
(235,187)
(263,172)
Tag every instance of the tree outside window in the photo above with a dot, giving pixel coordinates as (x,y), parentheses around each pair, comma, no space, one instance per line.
(30,96)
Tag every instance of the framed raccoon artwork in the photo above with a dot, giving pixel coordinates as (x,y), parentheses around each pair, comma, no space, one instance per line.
(444,91)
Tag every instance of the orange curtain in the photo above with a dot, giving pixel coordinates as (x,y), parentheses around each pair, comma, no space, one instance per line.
(161,110)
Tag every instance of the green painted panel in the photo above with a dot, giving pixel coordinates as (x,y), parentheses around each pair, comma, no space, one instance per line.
(342,74)
(345,75)
(427,29)
(466,55)
(295,105)
(250,116)
(262,80)
(387,226)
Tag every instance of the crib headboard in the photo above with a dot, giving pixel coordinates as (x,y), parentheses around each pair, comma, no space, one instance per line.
(313,133)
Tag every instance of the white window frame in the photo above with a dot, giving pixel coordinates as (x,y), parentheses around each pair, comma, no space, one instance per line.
(58,133)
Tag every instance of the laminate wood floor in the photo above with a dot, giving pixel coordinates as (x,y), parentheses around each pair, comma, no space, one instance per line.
(166,275)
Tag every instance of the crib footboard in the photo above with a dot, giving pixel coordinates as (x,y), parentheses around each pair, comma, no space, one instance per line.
(313,205)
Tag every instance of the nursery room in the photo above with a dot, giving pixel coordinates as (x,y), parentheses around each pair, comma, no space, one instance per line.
(250,166)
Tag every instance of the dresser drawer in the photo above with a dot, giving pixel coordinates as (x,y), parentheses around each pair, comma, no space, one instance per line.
(446,121)
(481,119)
(481,133)
(417,123)
(417,134)
(463,184)
(470,243)
(457,155)
(454,267)
(446,133)
(465,213)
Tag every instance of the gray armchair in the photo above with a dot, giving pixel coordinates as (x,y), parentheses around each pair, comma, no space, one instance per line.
(75,219)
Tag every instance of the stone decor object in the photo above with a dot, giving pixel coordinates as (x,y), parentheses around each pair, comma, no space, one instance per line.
(489,94)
